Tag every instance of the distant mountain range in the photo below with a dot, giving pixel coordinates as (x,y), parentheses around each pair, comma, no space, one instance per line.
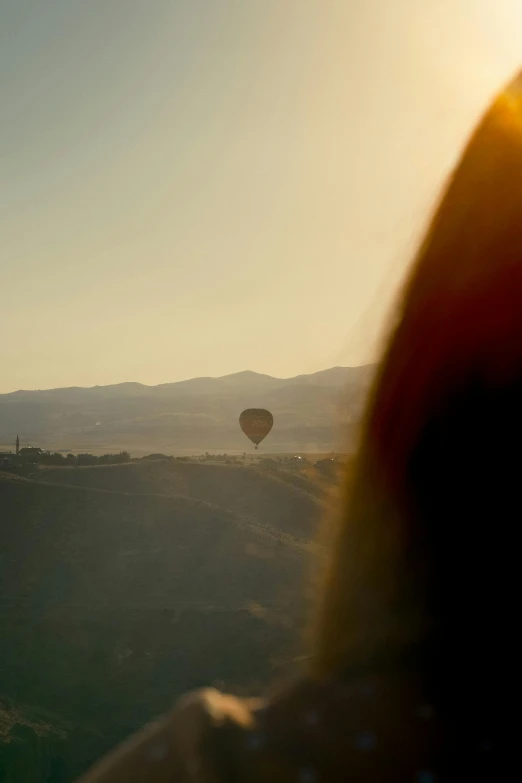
(316,412)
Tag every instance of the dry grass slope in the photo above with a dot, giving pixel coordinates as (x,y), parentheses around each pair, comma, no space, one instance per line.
(123,586)
(289,503)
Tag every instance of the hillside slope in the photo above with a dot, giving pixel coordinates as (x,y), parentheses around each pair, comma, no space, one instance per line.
(113,602)
(251,492)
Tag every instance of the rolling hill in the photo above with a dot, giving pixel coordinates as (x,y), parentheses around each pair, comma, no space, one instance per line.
(314,413)
(255,494)
(122,586)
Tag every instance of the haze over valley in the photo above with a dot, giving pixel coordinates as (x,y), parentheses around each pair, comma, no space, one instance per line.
(313,413)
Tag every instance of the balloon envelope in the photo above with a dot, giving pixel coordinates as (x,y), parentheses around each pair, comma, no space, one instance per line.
(256,423)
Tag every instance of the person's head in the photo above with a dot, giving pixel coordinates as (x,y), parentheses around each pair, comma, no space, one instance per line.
(427,551)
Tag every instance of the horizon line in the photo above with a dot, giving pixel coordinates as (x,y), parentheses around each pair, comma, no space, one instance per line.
(186,380)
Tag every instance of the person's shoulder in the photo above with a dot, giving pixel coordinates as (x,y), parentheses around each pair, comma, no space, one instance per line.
(195,741)
(208,727)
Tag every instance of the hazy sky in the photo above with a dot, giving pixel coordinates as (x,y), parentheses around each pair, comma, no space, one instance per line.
(196,187)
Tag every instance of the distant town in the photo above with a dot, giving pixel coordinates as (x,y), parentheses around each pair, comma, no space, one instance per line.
(26,458)
(33,455)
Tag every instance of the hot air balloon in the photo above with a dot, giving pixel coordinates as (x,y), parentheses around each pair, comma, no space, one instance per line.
(256,423)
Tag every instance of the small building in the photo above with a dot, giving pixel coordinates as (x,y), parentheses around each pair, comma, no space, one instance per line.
(29,452)
(8,459)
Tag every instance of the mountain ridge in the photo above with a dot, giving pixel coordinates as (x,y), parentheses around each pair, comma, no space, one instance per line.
(315,413)
(242,374)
